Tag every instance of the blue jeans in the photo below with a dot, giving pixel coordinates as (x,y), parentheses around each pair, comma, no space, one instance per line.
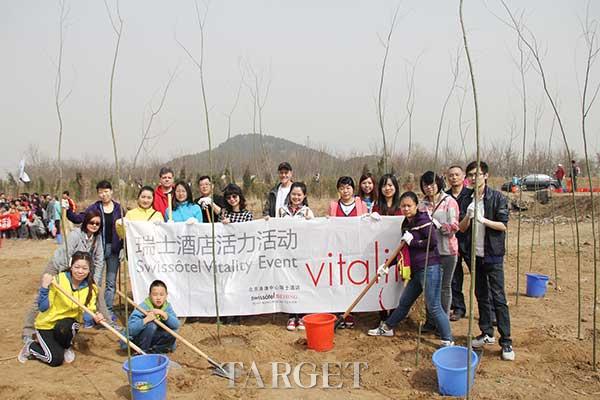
(154,339)
(432,299)
(112,269)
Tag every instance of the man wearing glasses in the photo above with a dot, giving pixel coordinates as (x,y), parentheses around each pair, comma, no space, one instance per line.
(491,225)
(210,203)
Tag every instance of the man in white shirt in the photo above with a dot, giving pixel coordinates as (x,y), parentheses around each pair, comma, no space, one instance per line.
(276,197)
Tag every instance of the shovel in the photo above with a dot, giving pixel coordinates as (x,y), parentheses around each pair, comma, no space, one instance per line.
(103,323)
(219,369)
(362,294)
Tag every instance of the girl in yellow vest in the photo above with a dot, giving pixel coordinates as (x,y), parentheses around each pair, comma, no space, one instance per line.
(59,318)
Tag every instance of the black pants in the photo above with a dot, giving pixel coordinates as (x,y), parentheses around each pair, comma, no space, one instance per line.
(489,283)
(51,344)
(458,298)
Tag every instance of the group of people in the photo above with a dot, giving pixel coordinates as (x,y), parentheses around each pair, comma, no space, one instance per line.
(560,175)
(436,239)
(32,216)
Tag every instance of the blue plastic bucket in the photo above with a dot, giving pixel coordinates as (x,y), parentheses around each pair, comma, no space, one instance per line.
(451,365)
(148,376)
(536,284)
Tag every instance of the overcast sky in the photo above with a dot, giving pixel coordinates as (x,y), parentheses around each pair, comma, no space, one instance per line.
(322,59)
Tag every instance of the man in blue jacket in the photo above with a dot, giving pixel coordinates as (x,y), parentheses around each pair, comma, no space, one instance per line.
(491,225)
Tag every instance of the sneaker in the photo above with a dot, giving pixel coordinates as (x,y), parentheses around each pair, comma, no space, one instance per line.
(482,340)
(507,353)
(27,339)
(89,324)
(69,356)
(300,325)
(456,316)
(24,354)
(446,343)
(349,322)
(381,330)
(291,324)
(428,328)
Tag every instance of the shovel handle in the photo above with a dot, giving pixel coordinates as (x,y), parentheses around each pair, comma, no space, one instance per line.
(371,283)
(103,323)
(171,331)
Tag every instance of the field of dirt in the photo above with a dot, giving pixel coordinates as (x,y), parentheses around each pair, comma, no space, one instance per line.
(551,362)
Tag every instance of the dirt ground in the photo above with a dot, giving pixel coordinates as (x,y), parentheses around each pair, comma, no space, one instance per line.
(551,363)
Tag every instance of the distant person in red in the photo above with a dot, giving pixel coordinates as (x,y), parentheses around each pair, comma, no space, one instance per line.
(559,174)
(163,190)
(71,204)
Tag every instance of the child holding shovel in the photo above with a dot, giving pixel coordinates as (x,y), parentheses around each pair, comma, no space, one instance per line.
(60,318)
(147,335)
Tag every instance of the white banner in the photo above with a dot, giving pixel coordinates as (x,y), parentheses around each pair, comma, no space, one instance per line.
(279,265)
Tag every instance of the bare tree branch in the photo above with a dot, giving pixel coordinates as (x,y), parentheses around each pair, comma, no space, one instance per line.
(118,30)
(146,137)
(380,101)
(533,47)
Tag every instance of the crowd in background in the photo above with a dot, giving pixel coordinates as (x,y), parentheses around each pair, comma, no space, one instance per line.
(32,216)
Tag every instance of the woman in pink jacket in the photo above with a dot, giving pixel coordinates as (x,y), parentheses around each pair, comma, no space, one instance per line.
(444,212)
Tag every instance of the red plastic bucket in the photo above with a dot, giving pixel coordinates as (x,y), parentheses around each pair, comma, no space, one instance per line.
(319,331)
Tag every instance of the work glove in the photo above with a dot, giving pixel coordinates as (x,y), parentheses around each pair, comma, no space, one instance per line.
(375,216)
(480,218)
(205,202)
(471,210)
(383,270)
(407,237)
(122,255)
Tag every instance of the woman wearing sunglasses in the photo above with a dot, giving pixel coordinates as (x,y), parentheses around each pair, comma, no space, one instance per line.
(84,239)
(235,205)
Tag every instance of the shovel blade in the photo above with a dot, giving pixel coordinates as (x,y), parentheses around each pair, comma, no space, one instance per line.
(339,322)
(227,371)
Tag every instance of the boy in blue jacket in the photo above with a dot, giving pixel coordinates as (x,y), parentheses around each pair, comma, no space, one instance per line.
(147,335)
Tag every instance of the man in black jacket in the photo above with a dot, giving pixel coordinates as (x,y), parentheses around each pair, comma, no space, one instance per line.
(456,177)
(490,220)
